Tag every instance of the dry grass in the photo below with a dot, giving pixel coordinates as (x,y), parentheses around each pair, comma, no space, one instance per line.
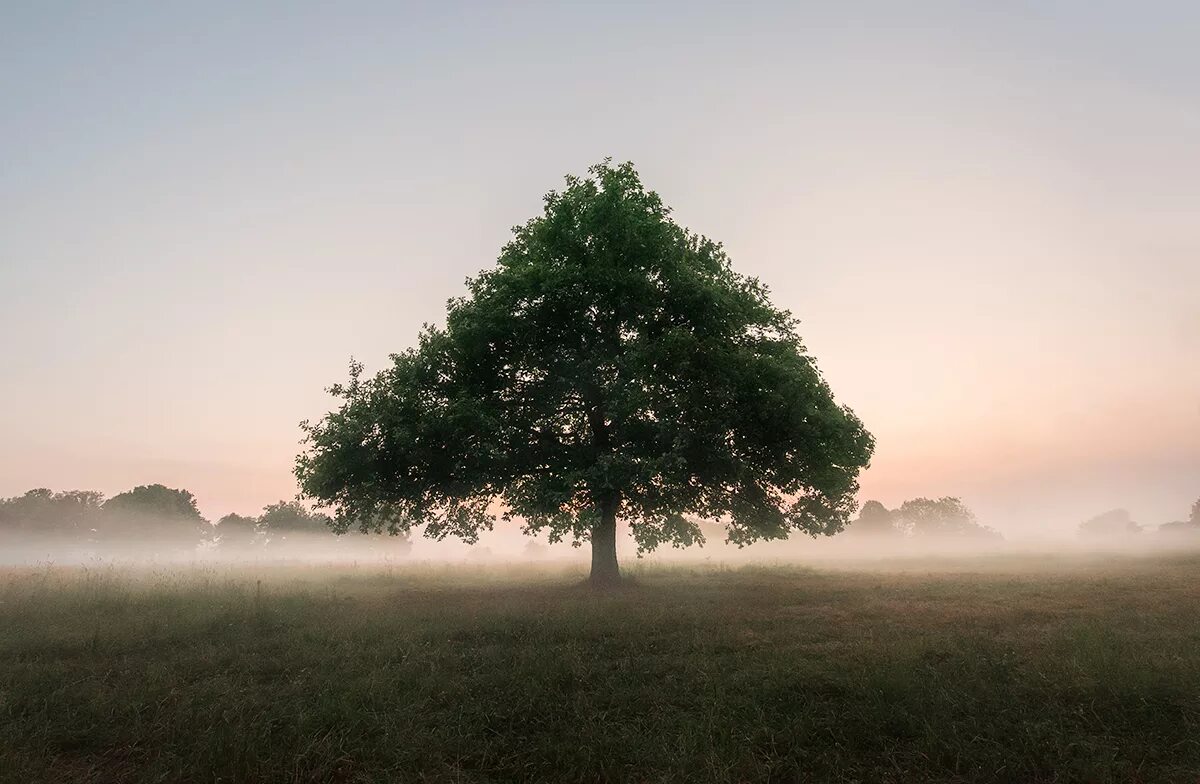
(952,670)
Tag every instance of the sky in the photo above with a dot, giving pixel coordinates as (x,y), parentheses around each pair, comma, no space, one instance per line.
(986,216)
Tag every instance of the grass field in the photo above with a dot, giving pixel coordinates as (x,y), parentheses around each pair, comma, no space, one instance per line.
(971,670)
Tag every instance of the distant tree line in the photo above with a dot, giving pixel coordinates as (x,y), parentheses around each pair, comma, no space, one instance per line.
(1119,522)
(922,518)
(949,518)
(159,520)
(155,519)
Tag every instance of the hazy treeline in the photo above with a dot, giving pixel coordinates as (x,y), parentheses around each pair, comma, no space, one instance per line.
(155,521)
(922,518)
(948,518)
(1119,522)
(159,521)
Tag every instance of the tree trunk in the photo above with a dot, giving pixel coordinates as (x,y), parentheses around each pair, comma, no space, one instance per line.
(605,572)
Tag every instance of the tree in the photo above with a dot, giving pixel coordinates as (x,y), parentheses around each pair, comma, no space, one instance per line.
(945,517)
(874,520)
(291,518)
(1189,527)
(1115,522)
(158,500)
(42,512)
(237,532)
(49,524)
(1180,528)
(156,514)
(612,365)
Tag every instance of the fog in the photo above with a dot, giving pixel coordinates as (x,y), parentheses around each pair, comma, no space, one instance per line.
(74,528)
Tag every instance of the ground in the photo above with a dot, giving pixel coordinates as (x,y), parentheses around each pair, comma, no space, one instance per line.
(976,669)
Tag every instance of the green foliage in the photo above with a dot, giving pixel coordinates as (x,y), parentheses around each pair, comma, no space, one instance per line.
(41,512)
(875,520)
(278,523)
(148,514)
(611,364)
(292,517)
(945,517)
(151,516)
(156,514)
(238,532)
(155,500)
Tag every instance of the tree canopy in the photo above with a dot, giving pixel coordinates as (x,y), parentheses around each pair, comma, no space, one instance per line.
(291,517)
(158,520)
(1114,522)
(156,514)
(612,364)
(945,517)
(238,532)
(874,519)
(155,500)
(43,512)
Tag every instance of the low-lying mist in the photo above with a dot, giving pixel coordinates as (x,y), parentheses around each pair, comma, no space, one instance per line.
(154,524)
(510,547)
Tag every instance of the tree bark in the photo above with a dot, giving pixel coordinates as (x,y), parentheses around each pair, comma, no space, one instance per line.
(605,572)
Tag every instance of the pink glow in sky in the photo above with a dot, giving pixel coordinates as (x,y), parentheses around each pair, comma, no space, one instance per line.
(987,220)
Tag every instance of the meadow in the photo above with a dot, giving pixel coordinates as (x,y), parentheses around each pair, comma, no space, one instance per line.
(992,669)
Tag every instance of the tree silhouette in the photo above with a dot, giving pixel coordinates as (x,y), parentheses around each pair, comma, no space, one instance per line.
(612,365)
(156,515)
(875,520)
(71,514)
(292,520)
(1189,527)
(1114,522)
(237,533)
(946,517)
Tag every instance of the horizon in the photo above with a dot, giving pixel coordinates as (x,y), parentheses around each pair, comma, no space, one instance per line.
(210,210)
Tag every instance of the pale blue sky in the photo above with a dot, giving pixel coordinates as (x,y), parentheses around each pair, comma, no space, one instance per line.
(987,216)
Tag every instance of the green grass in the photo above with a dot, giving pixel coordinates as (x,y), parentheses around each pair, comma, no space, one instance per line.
(969,670)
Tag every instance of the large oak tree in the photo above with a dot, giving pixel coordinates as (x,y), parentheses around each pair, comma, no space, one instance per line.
(610,366)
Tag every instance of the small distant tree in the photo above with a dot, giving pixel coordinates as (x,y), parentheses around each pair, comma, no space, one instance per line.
(154,515)
(874,519)
(155,500)
(238,533)
(1189,527)
(1115,522)
(945,517)
(292,519)
(1180,527)
(612,366)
